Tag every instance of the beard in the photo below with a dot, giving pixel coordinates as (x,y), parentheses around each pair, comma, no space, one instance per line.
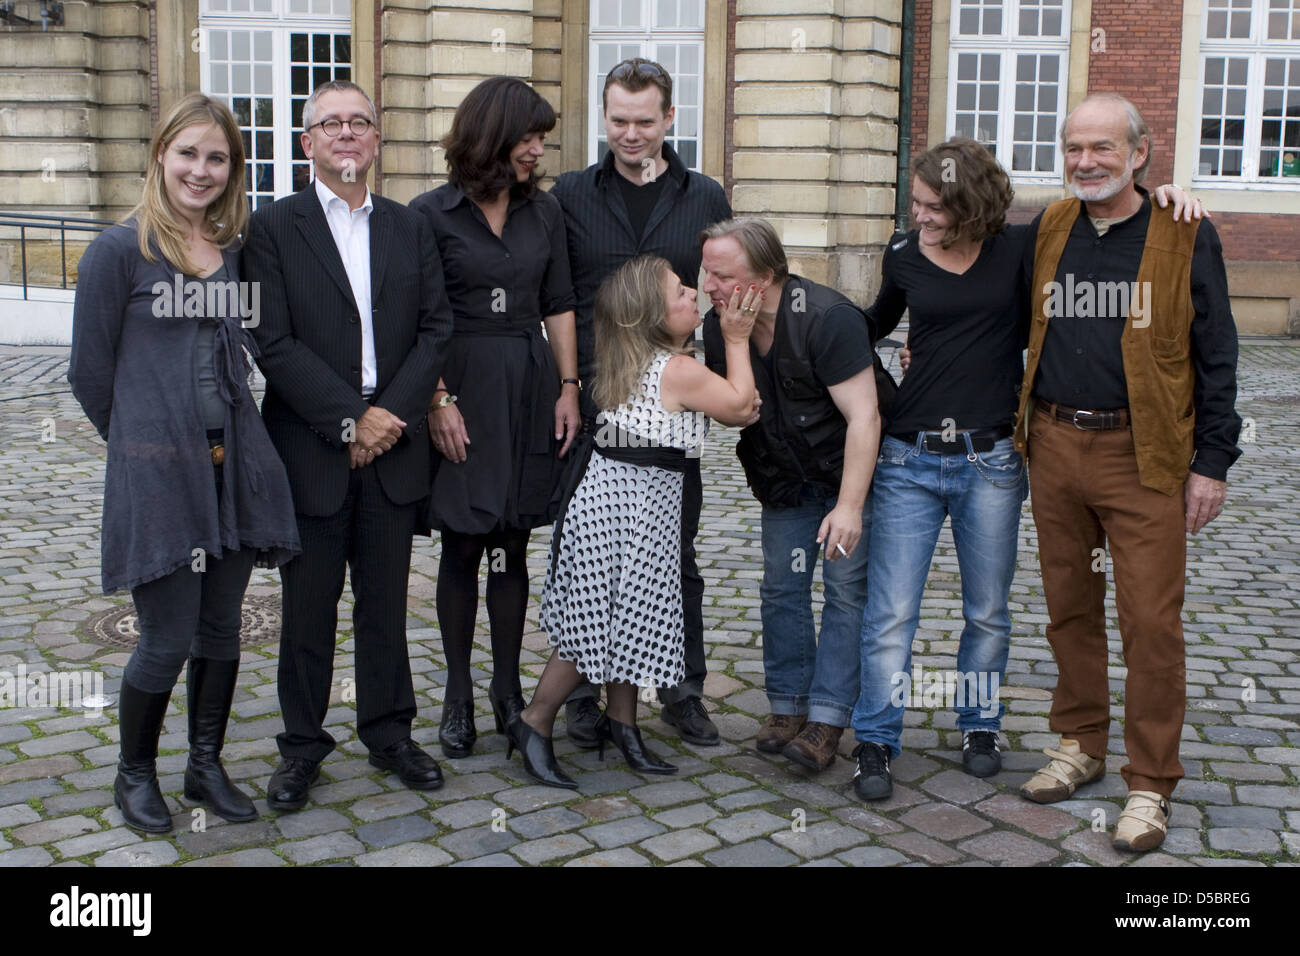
(1101,190)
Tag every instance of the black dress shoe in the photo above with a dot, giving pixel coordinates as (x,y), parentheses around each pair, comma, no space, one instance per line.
(692,721)
(413,766)
(627,738)
(539,757)
(290,783)
(457,733)
(580,718)
(505,709)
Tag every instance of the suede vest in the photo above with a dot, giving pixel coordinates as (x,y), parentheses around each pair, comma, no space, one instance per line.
(1157,352)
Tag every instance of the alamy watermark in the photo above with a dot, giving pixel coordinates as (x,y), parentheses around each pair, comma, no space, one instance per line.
(72,689)
(949,689)
(207,299)
(1099,300)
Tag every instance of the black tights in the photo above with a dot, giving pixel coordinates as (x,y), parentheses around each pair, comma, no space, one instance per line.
(507,602)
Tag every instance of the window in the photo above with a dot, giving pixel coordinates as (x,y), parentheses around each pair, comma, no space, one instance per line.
(1006,81)
(264,57)
(670,32)
(1250,93)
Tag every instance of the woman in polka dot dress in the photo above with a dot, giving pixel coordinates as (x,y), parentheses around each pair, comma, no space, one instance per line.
(612,602)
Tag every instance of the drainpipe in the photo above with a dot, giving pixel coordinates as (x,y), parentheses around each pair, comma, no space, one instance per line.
(903,188)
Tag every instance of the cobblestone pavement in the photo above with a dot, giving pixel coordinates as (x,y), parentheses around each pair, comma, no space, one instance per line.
(729,805)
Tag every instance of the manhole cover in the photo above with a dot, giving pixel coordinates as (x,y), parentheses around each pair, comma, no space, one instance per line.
(118,627)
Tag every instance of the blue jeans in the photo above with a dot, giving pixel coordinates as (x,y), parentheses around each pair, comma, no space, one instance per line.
(913,491)
(806,675)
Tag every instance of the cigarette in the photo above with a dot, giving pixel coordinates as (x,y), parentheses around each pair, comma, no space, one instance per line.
(840,549)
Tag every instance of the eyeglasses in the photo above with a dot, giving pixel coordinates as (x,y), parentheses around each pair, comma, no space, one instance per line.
(332,127)
(637,65)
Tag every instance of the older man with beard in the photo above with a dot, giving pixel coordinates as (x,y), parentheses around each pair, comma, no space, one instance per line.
(1126,414)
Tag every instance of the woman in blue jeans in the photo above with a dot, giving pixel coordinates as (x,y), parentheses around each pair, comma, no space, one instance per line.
(947,453)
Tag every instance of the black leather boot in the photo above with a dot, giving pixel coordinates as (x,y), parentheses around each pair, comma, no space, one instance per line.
(539,757)
(211,691)
(627,738)
(135,790)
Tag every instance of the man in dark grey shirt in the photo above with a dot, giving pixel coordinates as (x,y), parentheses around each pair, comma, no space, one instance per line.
(641,199)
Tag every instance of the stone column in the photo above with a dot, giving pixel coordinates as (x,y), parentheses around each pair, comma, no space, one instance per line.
(816,131)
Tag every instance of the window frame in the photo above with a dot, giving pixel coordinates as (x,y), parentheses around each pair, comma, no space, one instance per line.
(647,39)
(1256,49)
(1008,44)
(281,24)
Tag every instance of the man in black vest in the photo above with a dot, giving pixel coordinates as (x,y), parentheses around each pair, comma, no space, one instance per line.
(641,199)
(809,460)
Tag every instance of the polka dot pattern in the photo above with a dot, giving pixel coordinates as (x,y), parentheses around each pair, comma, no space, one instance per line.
(612,601)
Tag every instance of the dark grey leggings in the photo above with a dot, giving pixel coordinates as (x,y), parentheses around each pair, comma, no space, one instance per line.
(188,614)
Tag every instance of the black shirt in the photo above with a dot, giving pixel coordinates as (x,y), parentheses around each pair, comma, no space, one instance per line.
(1082,363)
(640,199)
(508,282)
(601,235)
(966,334)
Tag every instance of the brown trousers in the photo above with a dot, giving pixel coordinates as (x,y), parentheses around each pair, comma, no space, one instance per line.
(1085,495)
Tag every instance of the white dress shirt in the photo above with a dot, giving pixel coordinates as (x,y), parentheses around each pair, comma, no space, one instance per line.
(351,231)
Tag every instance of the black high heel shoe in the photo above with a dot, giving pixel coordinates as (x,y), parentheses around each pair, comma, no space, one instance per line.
(457,733)
(539,757)
(627,738)
(506,710)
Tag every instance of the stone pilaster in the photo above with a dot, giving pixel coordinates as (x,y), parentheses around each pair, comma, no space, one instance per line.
(816,133)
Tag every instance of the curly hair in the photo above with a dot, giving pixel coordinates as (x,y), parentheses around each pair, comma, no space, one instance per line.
(488,124)
(974,190)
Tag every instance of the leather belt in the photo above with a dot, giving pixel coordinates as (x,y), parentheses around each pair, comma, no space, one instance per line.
(981,440)
(1088,420)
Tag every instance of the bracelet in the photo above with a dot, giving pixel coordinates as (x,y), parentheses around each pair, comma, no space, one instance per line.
(448,399)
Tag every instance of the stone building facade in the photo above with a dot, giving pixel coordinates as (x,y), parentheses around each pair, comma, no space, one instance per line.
(791,104)
(1218,82)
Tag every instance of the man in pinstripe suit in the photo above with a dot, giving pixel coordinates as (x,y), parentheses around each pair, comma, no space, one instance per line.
(353,323)
(642,199)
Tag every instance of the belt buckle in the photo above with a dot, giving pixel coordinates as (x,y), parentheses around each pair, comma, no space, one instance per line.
(218,453)
(1074,419)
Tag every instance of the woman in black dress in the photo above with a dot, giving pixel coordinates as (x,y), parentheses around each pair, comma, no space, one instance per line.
(506,407)
(193,489)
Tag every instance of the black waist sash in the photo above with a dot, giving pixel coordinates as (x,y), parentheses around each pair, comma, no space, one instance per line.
(625,448)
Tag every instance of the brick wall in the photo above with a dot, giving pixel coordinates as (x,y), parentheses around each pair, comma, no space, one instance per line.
(1258,237)
(921,75)
(1132,66)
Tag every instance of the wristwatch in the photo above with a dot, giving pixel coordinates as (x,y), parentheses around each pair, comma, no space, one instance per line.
(571,381)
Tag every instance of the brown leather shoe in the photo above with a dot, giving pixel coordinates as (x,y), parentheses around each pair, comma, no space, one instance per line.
(778,730)
(815,745)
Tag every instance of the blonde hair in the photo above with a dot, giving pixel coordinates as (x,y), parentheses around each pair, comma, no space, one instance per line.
(630,310)
(157,224)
